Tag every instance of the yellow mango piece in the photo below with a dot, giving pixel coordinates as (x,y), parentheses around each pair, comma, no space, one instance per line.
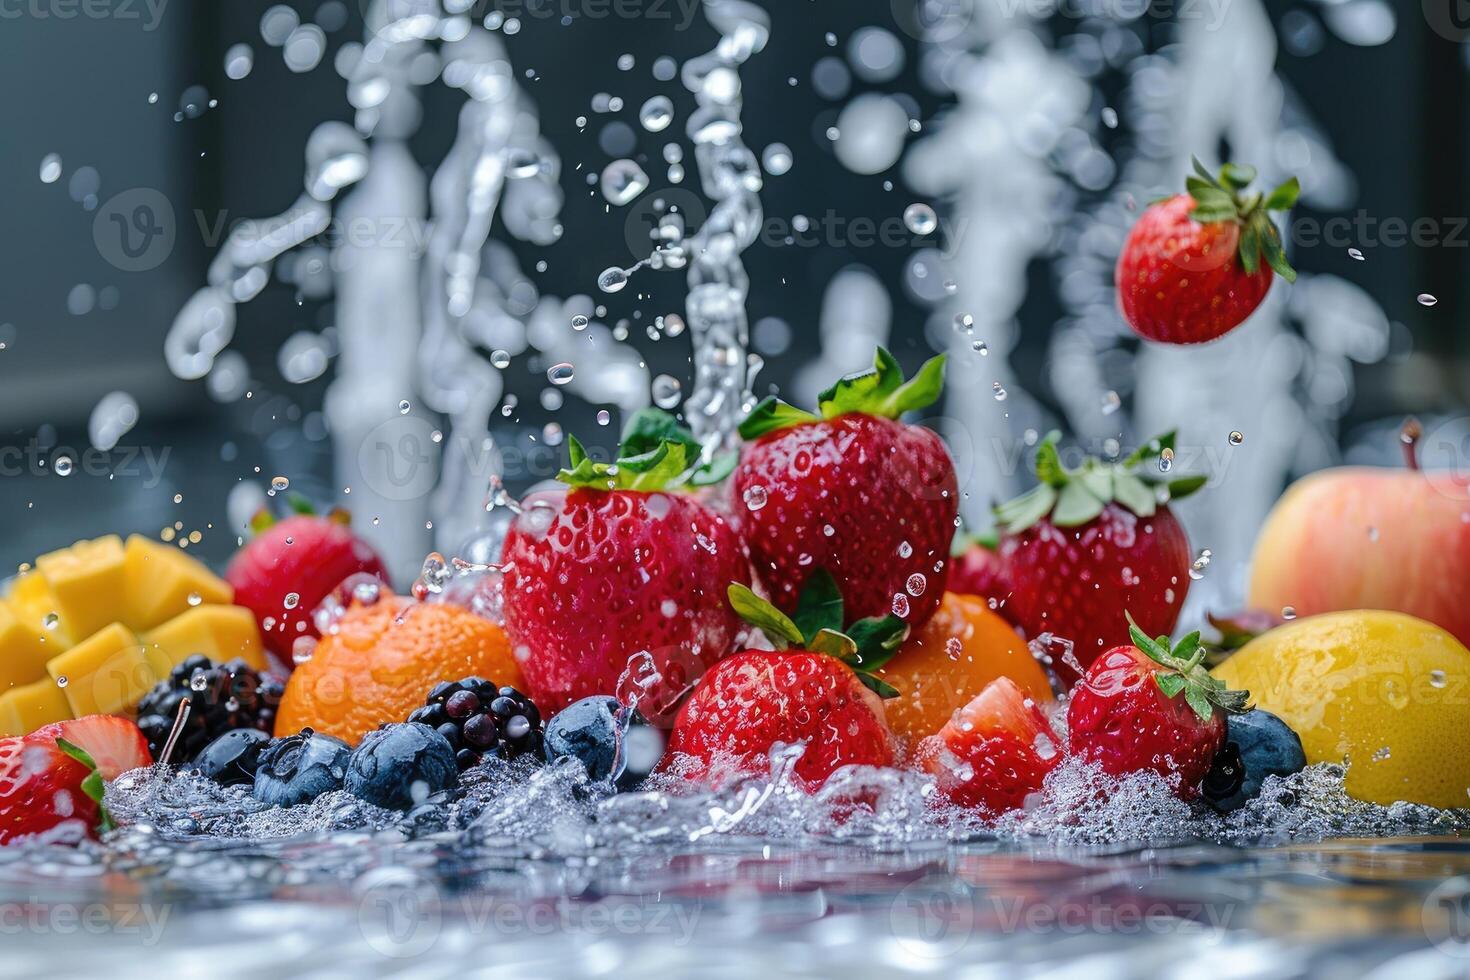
(162,581)
(34,604)
(24,650)
(221,633)
(25,709)
(88,582)
(107,673)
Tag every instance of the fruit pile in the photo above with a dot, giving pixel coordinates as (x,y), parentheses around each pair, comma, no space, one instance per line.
(695,615)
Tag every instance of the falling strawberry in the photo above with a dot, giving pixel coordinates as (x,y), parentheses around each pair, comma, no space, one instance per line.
(1150,706)
(1195,265)
(856,491)
(51,781)
(285,571)
(993,753)
(817,689)
(624,562)
(1086,545)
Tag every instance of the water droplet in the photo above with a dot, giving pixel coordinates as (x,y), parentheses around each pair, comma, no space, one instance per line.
(777,159)
(279,484)
(920,219)
(828,530)
(1111,402)
(900,605)
(403,407)
(755,497)
(953,647)
(51,168)
(1372,534)
(964,322)
(51,621)
(1000,393)
(905,550)
(292,600)
(551,434)
(62,465)
(501,359)
(302,649)
(1437,678)
(1166,460)
(61,681)
(560,374)
(622,182)
(916,584)
(981,348)
(612,280)
(1110,117)
(603,417)
(198,680)
(656,114)
(1236,437)
(579,322)
(1354,253)
(1288,612)
(666,391)
(1427,299)
(195,598)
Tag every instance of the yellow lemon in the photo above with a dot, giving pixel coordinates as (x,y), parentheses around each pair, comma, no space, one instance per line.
(1382,692)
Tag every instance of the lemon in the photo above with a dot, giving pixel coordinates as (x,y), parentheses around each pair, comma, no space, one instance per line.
(1385,694)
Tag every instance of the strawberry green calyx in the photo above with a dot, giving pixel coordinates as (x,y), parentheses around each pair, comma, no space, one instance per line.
(1071,498)
(93,785)
(880,391)
(301,506)
(1184,671)
(1224,198)
(656,454)
(817,626)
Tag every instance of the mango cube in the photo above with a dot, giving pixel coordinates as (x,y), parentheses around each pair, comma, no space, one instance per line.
(24,650)
(89,582)
(221,633)
(36,606)
(25,709)
(107,673)
(163,582)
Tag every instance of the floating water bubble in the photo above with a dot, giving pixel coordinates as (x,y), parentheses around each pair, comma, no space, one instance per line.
(777,159)
(1166,460)
(62,466)
(657,113)
(403,407)
(981,348)
(755,497)
(1110,117)
(998,390)
(551,434)
(612,280)
(239,60)
(303,357)
(953,647)
(113,416)
(1288,612)
(603,417)
(280,484)
(666,391)
(560,374)
(277,23)
(501,358)
(81,300)
(1427,299)
(916,584)
(1236,437)
(292,600)
(905,550)
(1354,253)
(900,605)
(51,620)
(964,322)
(1111,402)
(920,219)
(200,331)
(622,182)
(50,168)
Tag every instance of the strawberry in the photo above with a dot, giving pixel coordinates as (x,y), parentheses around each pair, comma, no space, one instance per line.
(1192,266)
(1086,545)
(285,571)
(817,690)
(993,753)
(1128,715)
(976,570)
(619,564)
(855,492)
(51,784)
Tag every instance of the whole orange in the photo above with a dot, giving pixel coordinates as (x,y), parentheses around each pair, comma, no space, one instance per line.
(382,661)
(945,664)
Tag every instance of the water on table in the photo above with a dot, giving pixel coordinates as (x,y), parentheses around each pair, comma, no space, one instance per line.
(536,873)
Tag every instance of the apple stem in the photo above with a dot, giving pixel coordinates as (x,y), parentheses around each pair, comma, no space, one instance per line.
(1409,435)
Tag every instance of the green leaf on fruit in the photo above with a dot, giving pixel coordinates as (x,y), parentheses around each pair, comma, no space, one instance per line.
(1016,515)
(775,624)
(1170,684)
(76,752)
(878,686)
(882,390)
(835,644)
(878,638)
(820,605)
(1237,176)
(772,415)
(1199,702)
(1185,485)
(1284,196)
(1134,494)
(1049,468)
(1076,505)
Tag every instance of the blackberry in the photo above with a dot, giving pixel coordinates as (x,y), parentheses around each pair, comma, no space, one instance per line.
(221,699)
(480,720)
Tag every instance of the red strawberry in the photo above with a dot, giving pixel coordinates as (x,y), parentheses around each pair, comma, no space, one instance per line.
(818,689)
(1191,268)
(51,784)
(1088,545)
(289,567)
(976,570)
(621,564)
(855,492)
(994,752)
(1128,714)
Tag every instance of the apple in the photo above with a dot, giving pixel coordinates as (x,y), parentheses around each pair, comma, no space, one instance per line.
(1369,537)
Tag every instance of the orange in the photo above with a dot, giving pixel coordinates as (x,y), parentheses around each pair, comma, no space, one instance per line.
(382,662)
(950,660)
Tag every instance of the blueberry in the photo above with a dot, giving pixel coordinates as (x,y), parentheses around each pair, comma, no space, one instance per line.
(397,766)
(233,757)
(299,768)
(589,730)
(1257,745)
